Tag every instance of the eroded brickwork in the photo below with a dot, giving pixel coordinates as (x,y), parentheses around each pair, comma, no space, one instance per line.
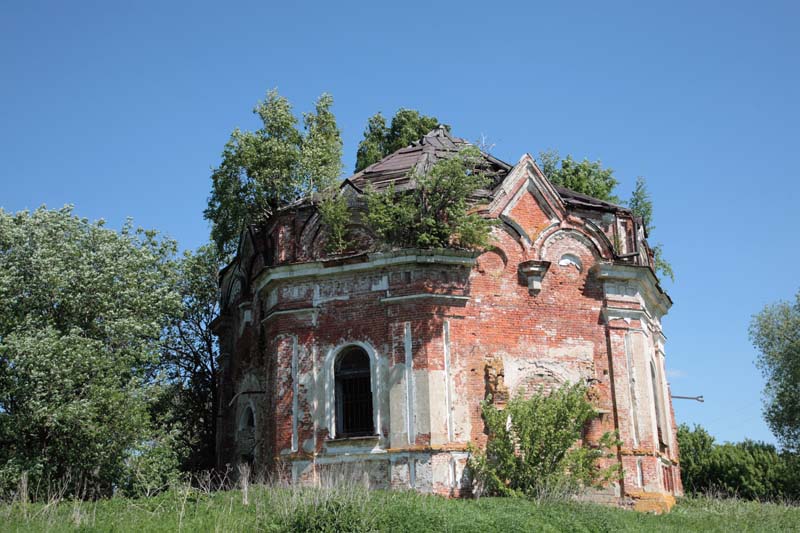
(565,294)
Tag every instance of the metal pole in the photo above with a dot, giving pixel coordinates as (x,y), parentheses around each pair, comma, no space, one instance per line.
(695,398)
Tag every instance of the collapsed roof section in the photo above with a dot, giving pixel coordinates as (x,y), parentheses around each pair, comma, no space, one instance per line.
(399,168)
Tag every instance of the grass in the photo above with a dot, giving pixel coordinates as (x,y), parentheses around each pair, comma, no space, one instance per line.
(354,508)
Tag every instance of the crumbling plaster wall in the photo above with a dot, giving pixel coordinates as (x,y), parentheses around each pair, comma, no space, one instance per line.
(431,327)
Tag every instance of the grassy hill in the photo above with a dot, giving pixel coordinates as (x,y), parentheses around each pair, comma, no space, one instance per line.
(356,509)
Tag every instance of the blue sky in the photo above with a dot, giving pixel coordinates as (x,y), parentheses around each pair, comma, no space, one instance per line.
(123,109)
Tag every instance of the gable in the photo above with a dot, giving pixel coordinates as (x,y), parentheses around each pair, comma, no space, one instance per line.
(529,215)
(527,201)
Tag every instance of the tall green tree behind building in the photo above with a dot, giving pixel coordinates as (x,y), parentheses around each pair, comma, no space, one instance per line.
(586,177)
(264,170)
(189,402)
(592,179)
(380,140)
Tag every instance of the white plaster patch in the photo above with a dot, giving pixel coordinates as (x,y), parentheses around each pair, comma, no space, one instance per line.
(380,284)
(321,297)
(572,363)
(409,378)
(423,473)
(571,259)
(447,380)
(437,406)
(422,412)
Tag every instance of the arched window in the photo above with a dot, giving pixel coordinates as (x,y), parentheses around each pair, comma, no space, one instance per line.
(353,394)
(247,431)
(247,422)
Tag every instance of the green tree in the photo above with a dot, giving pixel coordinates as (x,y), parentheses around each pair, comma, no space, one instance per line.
(747,469)
(271,167)
(695,446)
(82,309)
(335,215)
(586,177)
(592,179)
(407,126)
(531,448)
(641,205)
(373,146)
(775,332)
(321,149)
(188,402)
(436,213)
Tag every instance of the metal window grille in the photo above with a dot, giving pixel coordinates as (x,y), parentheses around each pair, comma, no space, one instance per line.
(354,394)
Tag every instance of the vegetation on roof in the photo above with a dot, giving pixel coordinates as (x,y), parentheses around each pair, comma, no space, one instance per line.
(380,140)
(272,167)
(436,212)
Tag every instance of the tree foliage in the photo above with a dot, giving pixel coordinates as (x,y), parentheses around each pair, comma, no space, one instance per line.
(82,309)
(531,449)
(641,205)
(188,402)
(586,177)
(380,140)
(590,178)
(436,213)
(775,332)
(335,215)
(271,167)
(748,469)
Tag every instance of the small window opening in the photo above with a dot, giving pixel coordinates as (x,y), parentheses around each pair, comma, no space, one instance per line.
(249,419)
(353,394)
(269,255)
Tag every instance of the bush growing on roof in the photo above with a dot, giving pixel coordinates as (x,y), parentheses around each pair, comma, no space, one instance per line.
(437,213)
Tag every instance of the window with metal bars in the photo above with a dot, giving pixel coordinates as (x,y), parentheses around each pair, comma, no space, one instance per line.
(353,394)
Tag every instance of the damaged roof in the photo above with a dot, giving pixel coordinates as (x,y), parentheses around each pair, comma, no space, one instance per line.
(577,199)
(399,168)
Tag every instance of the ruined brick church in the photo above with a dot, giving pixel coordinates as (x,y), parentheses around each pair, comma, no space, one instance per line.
(379,359)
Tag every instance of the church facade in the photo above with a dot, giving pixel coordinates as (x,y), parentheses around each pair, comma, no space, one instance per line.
(379,359)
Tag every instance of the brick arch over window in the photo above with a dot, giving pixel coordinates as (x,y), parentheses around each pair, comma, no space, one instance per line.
(593,239)
(353,391)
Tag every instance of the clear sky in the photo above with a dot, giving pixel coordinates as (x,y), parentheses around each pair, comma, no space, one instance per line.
(123,109)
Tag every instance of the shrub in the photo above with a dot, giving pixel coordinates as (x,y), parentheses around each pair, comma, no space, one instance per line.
(335,215)
(153,466)
(748,469)
(533,447)
(436,213)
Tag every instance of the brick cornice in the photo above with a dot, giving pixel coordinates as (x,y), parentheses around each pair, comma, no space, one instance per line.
(656,300)
(320,269)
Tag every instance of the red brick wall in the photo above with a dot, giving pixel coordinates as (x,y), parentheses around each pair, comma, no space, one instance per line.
(542,340)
